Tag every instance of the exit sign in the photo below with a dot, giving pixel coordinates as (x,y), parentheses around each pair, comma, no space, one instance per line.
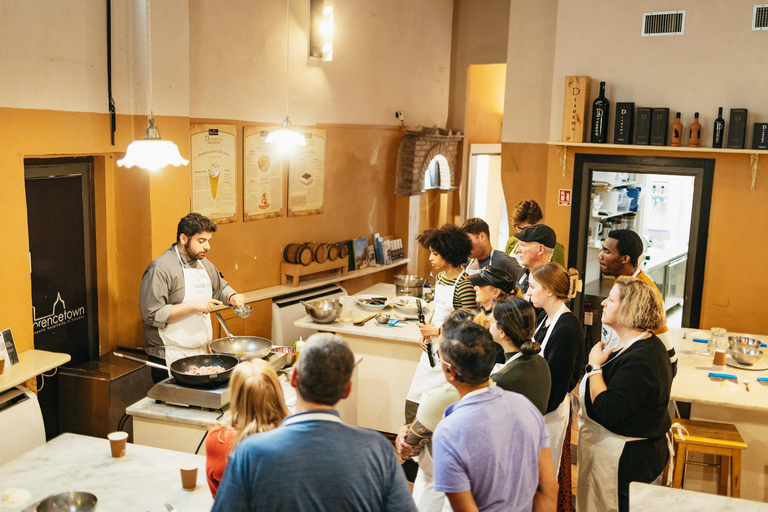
(564,197)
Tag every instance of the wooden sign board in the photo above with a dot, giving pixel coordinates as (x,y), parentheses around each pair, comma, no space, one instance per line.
(575,108)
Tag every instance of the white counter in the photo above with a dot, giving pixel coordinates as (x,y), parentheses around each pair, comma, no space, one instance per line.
(653,498)
(391,355)
(182,428)
(144,479)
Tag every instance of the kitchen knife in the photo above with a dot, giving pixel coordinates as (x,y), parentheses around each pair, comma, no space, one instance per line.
(427,341)
(722,375)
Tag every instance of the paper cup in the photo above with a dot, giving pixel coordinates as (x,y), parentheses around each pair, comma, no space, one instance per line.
(117,442)
(719,360)
(188,474)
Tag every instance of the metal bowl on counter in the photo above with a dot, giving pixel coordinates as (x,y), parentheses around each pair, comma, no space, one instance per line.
(743,341)
(323,311)
(745,354)
(408,285)
(76,501)
(382,319)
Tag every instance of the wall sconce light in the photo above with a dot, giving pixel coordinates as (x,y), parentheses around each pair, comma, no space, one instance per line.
(321,30)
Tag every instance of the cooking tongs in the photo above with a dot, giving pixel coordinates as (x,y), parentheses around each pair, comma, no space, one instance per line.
(427,340)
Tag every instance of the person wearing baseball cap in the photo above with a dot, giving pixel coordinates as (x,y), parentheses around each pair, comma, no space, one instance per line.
(491,284)
(536,244)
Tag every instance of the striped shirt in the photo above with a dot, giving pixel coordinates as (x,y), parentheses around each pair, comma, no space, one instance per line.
(464,294)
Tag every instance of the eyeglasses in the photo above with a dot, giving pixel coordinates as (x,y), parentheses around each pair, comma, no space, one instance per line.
(449,365)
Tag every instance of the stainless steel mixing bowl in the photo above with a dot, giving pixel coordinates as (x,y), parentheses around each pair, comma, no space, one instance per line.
(323,311)
(744,341)
(77,501)
(745,354)
(407,281)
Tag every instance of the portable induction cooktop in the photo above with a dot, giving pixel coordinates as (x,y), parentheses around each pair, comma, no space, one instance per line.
(170,392)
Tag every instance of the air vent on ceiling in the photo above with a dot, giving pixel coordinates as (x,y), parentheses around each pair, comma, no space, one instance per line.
(760,17)
(668,23)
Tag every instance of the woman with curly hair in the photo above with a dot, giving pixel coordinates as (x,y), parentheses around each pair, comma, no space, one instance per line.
(256,405)
(449,248)
(624,397)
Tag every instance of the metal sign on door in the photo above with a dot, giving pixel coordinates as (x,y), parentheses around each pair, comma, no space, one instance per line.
(564,197)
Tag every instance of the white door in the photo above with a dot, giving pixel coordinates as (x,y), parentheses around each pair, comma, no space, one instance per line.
(485,197)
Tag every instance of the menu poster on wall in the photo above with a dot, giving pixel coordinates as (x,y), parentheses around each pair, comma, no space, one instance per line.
(214,171)
(306,175)
(263,175)
(8,348)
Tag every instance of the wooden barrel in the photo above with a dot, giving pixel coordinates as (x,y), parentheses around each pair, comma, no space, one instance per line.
(320,251)
(343,250)
(298,253)
(333,252)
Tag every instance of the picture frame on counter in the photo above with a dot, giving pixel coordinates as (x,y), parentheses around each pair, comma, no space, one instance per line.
(8,348)
(214,171)
(306,174)
(264,184)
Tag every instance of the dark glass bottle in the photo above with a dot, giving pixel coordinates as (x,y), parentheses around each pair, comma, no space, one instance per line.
(600,110)
(719,131)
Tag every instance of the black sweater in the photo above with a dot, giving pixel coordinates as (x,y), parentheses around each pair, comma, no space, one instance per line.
(564,354)
(635,405)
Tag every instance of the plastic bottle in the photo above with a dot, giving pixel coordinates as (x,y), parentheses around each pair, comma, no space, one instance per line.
(299,346)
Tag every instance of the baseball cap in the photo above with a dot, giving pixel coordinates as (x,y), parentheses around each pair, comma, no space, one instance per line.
(494,276)
(540,233)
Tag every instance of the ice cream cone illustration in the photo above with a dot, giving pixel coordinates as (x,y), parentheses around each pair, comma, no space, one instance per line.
(213,179)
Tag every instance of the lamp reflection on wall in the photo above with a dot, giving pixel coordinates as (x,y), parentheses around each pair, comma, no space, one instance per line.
(321,30)
(286,137)
(152,152)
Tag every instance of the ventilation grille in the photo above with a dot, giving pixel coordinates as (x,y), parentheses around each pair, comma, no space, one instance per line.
(760,17)
(669,23)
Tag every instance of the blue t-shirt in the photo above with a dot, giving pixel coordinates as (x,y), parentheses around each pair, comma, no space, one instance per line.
(489,444)
(315,466)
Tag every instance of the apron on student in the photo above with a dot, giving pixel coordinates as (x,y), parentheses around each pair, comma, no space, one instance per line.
(188,336)
(427,377)
(473,271)
(598,458)
(499,366)
(556,422)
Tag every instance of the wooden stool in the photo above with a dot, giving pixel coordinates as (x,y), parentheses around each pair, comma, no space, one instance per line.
(721,439)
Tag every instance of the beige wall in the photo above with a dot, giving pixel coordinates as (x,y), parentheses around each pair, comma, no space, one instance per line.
(480,29)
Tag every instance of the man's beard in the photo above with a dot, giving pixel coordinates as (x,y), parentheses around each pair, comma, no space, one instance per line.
(193,256)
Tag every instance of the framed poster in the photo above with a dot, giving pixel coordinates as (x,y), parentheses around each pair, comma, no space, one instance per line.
(306,175)
(263,175)
(214,171)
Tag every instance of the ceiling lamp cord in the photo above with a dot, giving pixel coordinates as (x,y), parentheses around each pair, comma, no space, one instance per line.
(149,57)
(287,49)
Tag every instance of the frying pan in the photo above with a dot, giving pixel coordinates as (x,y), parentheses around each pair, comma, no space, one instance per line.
(180,366)
(243,348)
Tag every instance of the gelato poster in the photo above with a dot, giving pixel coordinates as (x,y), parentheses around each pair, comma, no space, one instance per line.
(306,175)
(263,175)
(214,171)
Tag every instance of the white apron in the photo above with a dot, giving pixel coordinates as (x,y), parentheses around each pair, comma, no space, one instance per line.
(426,377)
(472,271)
(189,335)
(598,458)
(498,366)
(556,422)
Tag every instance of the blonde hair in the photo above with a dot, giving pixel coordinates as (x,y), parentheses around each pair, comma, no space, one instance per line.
(256,402)
(640,306)
(564,284)
(485,320)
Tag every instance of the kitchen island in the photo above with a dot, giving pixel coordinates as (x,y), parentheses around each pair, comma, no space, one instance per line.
(175,427)
(144,479)
(391,355)
(724,401)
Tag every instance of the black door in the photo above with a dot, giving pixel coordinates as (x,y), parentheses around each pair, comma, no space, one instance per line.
(59,213)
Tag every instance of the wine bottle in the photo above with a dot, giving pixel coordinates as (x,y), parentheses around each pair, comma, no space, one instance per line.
(694,135)
(600,110)
(719,131)
(677,131)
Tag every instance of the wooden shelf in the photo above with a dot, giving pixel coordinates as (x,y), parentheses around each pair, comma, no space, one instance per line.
(31,363)
(753,153)
(276,291)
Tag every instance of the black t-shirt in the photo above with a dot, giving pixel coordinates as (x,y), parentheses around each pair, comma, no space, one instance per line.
(635,405)
(564,354)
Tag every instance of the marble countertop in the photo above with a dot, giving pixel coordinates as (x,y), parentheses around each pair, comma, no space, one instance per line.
(144,479)
(691,384)
(408,333)
(652,498)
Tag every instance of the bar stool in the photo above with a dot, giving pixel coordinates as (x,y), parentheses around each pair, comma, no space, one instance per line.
(721,439)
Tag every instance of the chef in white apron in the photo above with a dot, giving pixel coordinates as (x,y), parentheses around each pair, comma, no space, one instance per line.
(190,334)
(555,422)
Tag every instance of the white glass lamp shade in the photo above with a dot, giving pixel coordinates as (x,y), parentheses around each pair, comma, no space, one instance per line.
(287,136)
(152,152)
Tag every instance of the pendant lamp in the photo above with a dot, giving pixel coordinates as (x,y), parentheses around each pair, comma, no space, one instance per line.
(287,136)
(152,152)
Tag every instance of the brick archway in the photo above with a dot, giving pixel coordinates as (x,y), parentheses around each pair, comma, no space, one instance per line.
(417,150)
